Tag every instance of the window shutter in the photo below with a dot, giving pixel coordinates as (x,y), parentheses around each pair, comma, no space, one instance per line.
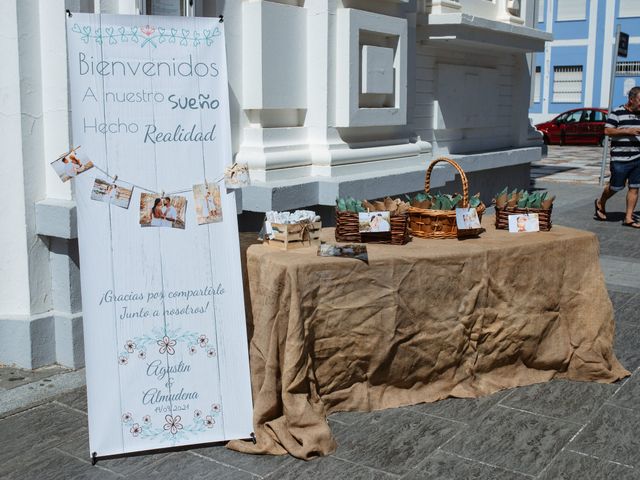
(567,84)
(572,9)
(629,8)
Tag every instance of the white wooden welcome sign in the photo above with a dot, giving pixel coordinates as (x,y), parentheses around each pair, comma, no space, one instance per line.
(164,323)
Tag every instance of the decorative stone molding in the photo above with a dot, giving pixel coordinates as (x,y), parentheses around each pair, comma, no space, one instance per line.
(364,41)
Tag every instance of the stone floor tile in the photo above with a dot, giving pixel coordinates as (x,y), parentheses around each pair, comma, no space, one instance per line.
(570,401)
(186,465)
(37,429)
(574,466)
(612,435)
(620,299)
(347,418)
(259,464)
(446,466)
(629,312)
(78,446)
(461,409)
(52,464)
(514,440)
(11,377)
(328,468)
(75,399)
(393,440)
(629,394)
(627,344)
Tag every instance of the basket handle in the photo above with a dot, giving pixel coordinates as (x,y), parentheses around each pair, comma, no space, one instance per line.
(463,178)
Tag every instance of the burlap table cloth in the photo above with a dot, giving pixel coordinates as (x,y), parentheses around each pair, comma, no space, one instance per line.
(419,323)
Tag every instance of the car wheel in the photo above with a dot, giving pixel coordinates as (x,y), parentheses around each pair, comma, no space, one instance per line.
(545,139)
(601,142)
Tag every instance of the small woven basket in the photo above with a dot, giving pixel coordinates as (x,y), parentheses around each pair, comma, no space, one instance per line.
(428,223)
(348,230)
(544,216)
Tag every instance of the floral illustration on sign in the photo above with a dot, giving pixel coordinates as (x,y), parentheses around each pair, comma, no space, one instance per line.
(167,342)
(135,430)
(173,427)
(146,35)
(173,424)
(166,345)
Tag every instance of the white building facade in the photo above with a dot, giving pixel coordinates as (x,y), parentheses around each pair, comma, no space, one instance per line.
(328,98)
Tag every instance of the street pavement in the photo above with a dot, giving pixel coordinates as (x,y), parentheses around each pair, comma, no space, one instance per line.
(556,430)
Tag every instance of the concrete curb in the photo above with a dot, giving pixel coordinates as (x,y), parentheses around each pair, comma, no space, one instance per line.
(36,393)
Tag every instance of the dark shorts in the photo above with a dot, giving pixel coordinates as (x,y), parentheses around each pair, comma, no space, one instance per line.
(623,171)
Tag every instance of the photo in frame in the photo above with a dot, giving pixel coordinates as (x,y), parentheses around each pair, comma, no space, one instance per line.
(524,222)
(374,222)
(467,219)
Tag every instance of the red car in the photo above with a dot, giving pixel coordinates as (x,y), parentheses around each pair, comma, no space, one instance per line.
(582,126)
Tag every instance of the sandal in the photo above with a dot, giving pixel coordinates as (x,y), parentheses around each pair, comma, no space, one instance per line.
(599,213)
(631,224)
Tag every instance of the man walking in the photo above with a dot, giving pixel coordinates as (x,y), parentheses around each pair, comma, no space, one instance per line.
(623,126)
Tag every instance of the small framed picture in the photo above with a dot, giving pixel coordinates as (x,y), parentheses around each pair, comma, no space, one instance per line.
(374,222)
(71,164)
(236,176)
(159,211)
(524,222)
(467,219)
(111,192)
(208,204)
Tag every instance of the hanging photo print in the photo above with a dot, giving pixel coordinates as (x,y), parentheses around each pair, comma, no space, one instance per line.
(111,192)
(71,164)
(159,211)
(208,204)
(236,176)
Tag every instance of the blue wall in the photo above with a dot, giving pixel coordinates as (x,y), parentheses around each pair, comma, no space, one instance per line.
(577,55)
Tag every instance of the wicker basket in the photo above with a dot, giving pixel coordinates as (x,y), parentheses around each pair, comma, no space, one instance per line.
(428,223)
(348,230)
(544,216)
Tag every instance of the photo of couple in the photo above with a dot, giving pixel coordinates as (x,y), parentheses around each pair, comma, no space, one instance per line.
(208,203)
(112,193)
(374,222)
(159,211)
(71,164)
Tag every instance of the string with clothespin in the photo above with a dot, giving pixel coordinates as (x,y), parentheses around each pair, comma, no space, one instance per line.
(114,179)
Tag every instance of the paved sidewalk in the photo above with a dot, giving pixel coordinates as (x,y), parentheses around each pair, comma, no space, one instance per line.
(551,431)
(570,164)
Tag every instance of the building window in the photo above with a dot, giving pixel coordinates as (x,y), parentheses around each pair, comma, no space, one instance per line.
(567,84)
(572,10)
(164,7)
(540,8)
(628,69)
(629,8)
(536,85)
